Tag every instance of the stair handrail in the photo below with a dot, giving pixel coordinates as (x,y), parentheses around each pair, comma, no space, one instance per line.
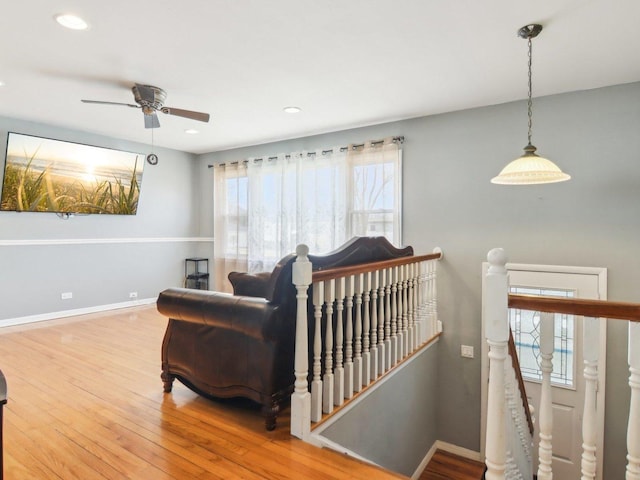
(577,306)
(338,272)
(523,392)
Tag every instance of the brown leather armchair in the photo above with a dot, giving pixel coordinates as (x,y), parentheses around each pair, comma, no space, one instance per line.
(242,345)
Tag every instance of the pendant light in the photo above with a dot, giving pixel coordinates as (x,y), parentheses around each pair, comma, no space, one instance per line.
(530,168)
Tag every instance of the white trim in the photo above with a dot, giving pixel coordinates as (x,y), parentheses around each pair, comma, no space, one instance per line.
(460,451)
(425,461)
(94,241)
(8,322)
(446,447)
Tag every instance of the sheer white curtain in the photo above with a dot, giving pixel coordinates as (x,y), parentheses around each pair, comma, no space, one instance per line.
(229,222)
(264,207)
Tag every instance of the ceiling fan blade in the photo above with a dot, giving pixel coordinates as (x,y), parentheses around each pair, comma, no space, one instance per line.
(201,117)
(100,102)
(151,121)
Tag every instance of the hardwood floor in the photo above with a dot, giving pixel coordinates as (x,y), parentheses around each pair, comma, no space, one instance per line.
(86,402)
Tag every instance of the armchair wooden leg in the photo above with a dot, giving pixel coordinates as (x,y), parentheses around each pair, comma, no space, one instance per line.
(167,381)
(270,412)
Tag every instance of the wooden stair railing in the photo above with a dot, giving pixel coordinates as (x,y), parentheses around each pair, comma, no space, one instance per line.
(381,313)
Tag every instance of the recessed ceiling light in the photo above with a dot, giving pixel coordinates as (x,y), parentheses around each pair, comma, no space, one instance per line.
(2,84)
(191,131)
(71,21)
(292,109)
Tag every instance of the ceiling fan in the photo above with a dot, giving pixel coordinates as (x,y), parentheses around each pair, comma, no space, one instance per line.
(151,99)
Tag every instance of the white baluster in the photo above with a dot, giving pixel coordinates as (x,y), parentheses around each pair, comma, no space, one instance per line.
(366,331)
(410,317)
(545,448)
(387,320)
(316,382)
(437,324)
(433,319)
(357,363)
(497,333)
(338,386)
(394,317)
(405,311)
(374,325)
(633,427)
(590,348)
(416,302)
(400,321)
(382,355)
(327,379)
(301,398)
(348,364)
(424,301)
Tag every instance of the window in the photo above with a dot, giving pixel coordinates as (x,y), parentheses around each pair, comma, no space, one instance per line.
(525,325)
(265,207)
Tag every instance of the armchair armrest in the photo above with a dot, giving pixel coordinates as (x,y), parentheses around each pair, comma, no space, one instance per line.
(255,317)
(250,284)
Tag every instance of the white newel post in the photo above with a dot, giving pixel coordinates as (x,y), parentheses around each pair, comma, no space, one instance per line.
(497,333)
(545,447)
(633,427)
(591,347)
(301,399)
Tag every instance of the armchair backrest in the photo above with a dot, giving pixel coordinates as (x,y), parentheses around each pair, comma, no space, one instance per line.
(358,250)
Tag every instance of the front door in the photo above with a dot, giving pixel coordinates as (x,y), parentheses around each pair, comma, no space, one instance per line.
(567,379)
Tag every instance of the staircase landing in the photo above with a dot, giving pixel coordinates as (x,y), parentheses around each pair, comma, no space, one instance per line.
(447,466)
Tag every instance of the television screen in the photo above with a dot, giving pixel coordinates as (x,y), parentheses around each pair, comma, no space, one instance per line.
(46,175)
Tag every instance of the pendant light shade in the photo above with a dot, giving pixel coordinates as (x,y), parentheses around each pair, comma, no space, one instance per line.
(530,168)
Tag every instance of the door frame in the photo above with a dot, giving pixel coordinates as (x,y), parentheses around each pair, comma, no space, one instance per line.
(601,274)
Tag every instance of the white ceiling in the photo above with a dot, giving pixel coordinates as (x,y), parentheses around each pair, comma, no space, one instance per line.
(346,63)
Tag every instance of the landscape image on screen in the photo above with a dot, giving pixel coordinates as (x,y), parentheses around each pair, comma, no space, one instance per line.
(45,175)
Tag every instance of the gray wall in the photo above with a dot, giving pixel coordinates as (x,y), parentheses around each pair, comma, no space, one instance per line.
(32,277)
(593,220)
(401,409)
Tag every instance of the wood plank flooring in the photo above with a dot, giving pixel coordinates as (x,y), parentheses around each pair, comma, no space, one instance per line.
(86,402)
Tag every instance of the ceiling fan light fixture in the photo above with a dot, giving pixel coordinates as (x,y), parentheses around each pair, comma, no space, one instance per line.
(71,21)
(530,168)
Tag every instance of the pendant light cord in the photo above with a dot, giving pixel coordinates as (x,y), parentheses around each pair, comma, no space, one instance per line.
(530,102)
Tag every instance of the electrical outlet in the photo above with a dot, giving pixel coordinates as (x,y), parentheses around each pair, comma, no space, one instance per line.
(133,294)
(466,351)
(66,295)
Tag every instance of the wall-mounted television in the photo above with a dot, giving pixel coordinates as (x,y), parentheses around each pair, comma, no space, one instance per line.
(47,175)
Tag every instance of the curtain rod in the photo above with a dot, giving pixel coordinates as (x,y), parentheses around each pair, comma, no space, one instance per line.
(398,139)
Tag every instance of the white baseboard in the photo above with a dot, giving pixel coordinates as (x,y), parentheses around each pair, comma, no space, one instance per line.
(460,451)
(425,461)
(447,447)
(9,322)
